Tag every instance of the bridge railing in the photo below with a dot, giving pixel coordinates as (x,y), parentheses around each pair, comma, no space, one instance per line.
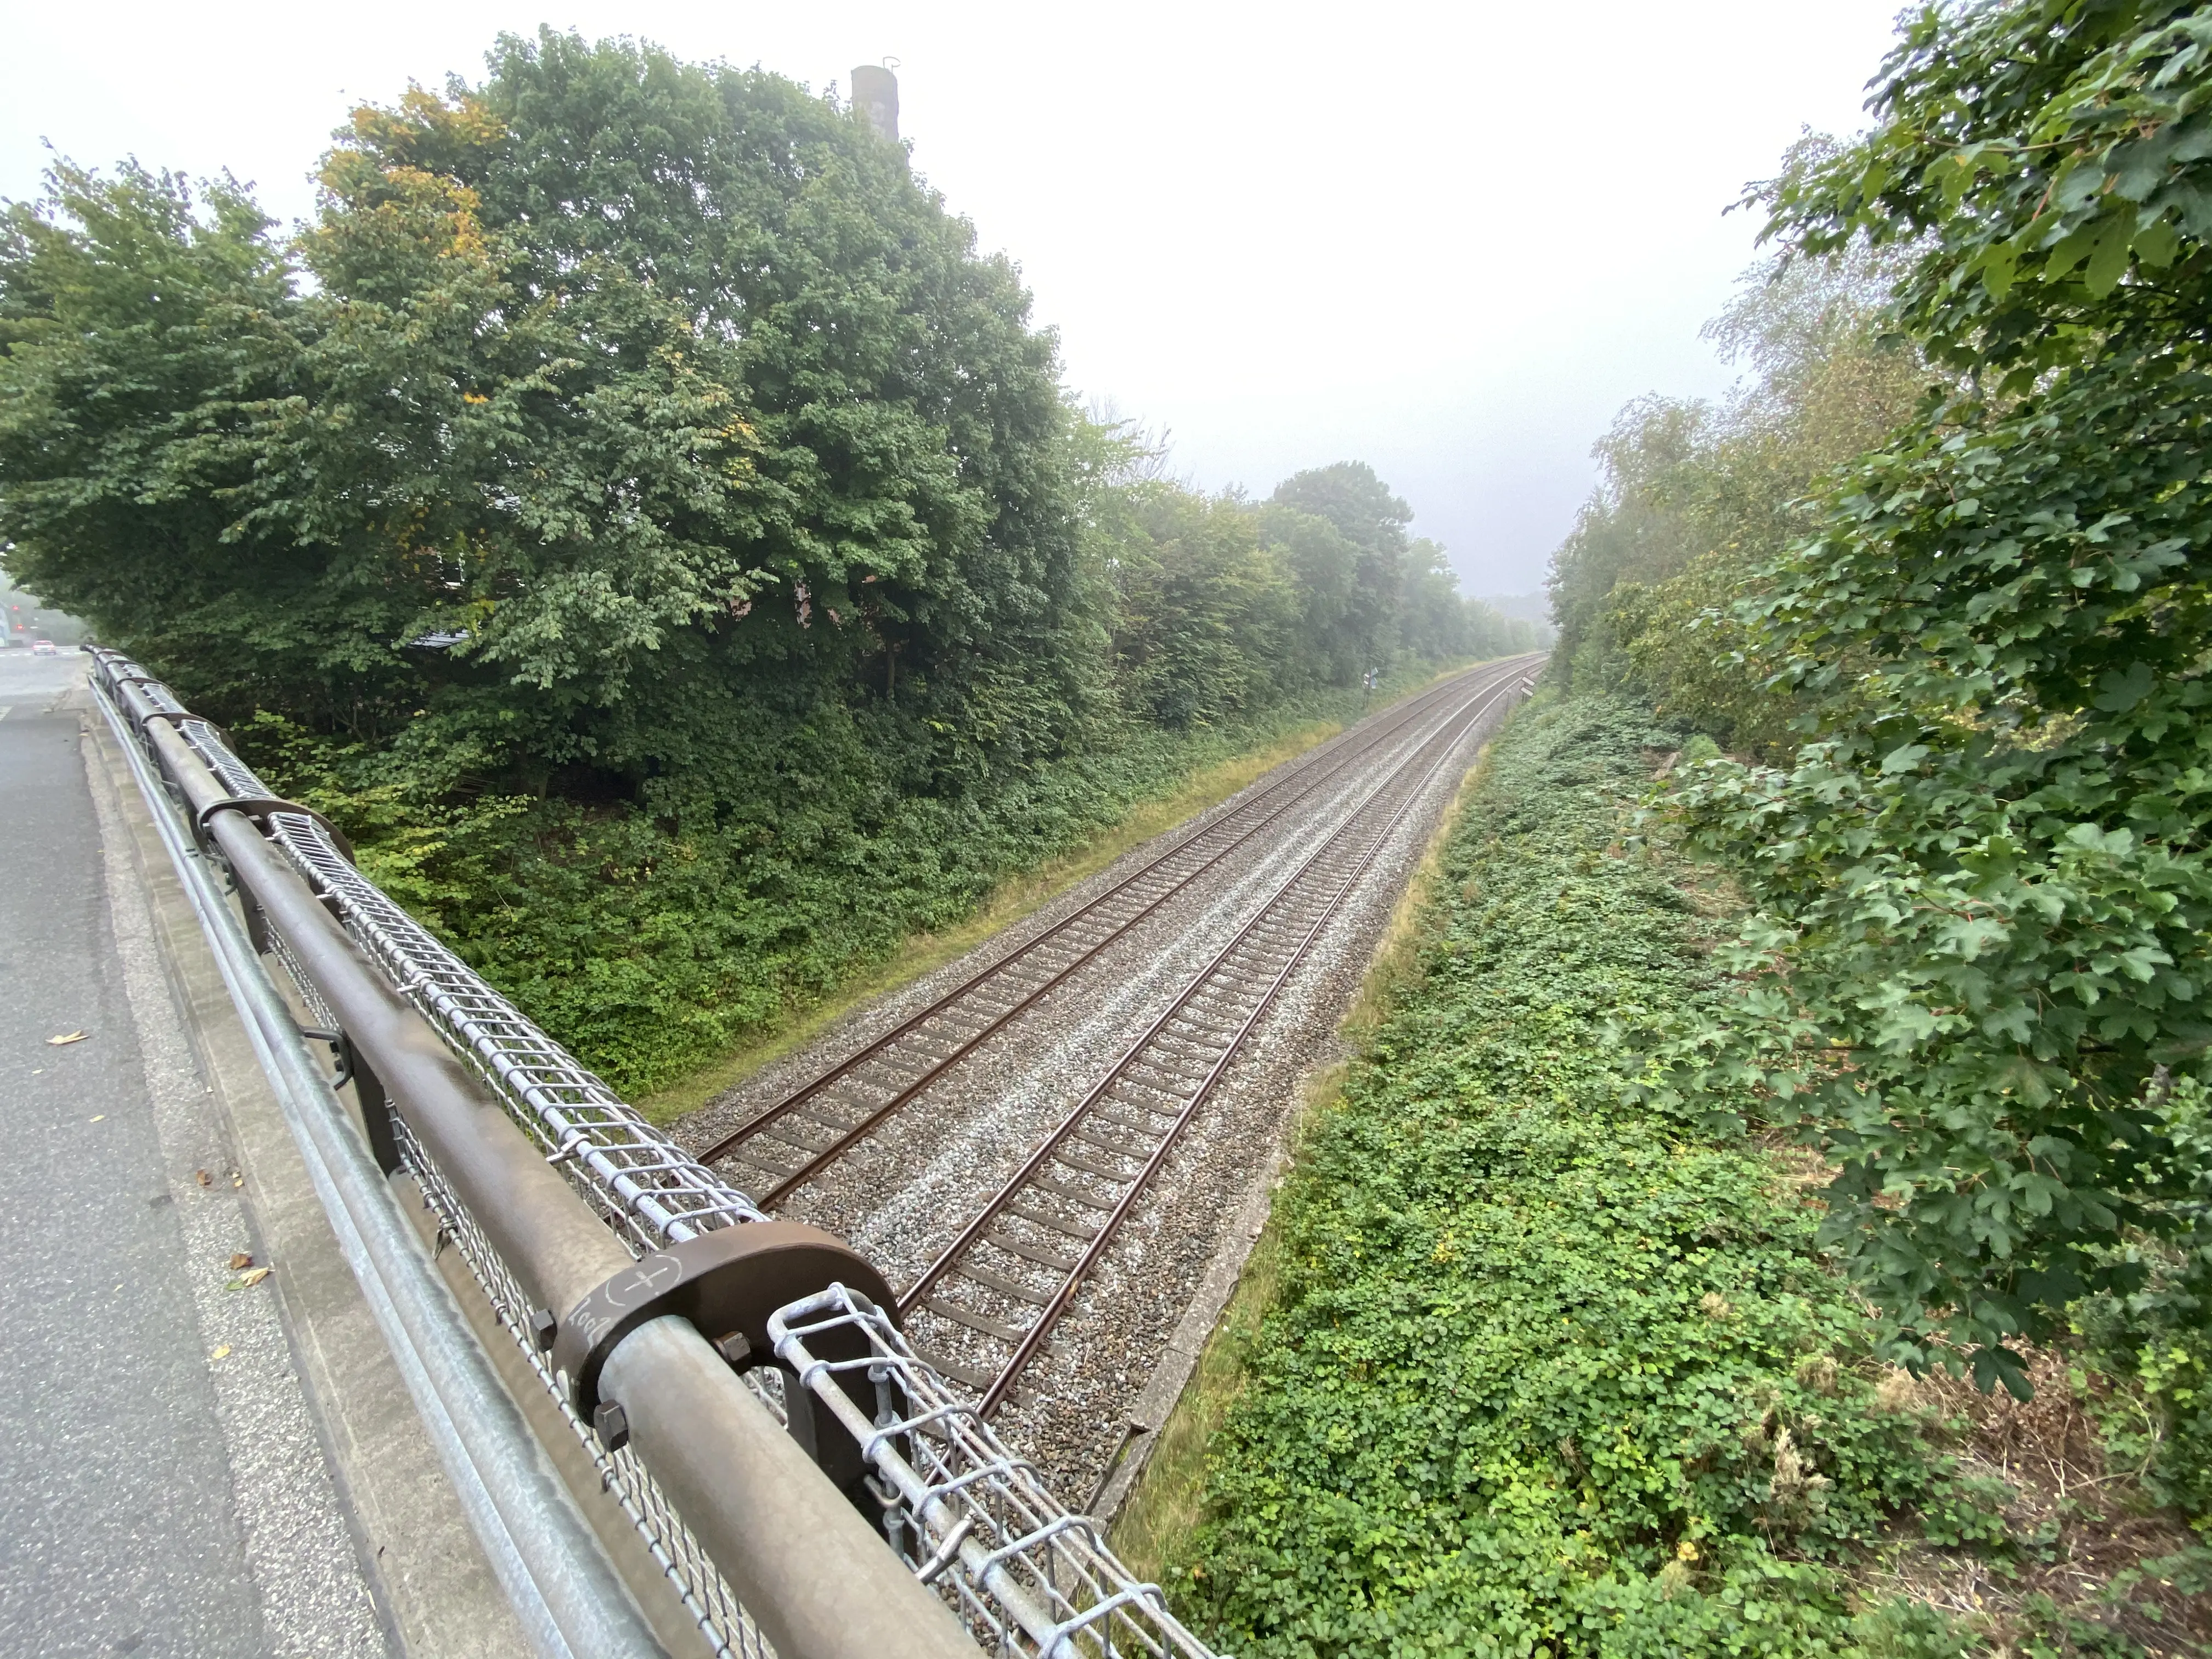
(807,1484)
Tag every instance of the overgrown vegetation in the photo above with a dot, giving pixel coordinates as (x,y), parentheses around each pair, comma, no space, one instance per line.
(1982,887)
(1973,660)
(1936,576)
(1549,1369)
(635,510)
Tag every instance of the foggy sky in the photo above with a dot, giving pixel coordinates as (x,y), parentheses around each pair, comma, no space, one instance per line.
(1448,239)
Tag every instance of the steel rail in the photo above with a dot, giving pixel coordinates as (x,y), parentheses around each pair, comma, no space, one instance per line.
(1310,772)
(1025,1343)
(1293,789)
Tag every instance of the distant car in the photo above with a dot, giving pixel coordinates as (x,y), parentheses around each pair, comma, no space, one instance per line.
(43,648)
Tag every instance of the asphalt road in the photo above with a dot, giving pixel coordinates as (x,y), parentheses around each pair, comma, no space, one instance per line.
(151,1502)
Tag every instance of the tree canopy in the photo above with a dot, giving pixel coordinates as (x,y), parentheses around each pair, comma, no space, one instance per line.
(1980,958)
(601,397)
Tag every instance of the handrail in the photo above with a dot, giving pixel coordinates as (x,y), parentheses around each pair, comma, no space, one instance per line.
(570,1602)
(804,1565)
(751,1492)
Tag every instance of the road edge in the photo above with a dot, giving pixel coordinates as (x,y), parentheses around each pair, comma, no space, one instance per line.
(434,1593)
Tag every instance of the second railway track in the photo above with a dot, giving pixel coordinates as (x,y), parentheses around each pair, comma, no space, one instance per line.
(780,1149)
(1027,1243)
(995,1294)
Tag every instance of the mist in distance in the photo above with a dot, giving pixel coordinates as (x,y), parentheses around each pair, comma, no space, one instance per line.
(1448,241)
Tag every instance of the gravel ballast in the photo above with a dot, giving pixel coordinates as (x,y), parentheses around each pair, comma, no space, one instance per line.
(904,1194)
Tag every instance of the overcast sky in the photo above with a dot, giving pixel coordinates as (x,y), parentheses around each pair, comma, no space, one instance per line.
(1450,240)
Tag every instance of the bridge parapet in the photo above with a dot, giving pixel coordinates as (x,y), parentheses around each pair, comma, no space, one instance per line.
(809,1486)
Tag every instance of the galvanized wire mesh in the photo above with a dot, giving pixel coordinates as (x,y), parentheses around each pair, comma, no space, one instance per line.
(1026,1575)
(627,1169)
(706,1595)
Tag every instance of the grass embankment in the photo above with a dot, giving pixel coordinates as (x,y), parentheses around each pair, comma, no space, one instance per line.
(1166,1506)
(1207,785)
(675,957)
(1520,1366)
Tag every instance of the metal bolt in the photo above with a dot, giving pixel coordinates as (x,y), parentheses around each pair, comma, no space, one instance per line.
(544,1327)
(734,1347)
(613,1425)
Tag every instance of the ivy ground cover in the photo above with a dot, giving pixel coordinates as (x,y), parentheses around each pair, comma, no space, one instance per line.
(1550,1372)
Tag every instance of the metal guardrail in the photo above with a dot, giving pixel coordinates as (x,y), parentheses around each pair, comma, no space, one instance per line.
(809,1486)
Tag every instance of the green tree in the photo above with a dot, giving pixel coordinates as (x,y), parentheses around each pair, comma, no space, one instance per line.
(1205,616)
(649,391)
(1365,513)
(1697,499)
(1980,956)
(1324,564)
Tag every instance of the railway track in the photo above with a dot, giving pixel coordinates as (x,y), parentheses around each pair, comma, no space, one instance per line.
(996,1293)
(798,1137)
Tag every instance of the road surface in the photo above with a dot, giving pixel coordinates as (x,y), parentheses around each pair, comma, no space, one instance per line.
(162,1488)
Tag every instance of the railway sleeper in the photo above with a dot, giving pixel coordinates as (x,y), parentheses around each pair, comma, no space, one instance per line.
(1062,1189)
(743,1153)
(973,1376)
(1031,1253)
(1066,1226)
(975,1321)
(987,1003)
(1098,1114)
(775,1132)
(829,1124)
(1224,1011)
(1093,1166)
(1176,1096)
(1230,974)
(877,1072)
(1084,1133)
(1204,1050)
(1005,1286)
(1173,1082)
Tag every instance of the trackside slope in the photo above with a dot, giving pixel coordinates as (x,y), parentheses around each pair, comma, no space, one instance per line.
(1545,1371)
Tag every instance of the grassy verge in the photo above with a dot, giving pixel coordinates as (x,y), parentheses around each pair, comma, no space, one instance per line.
(1163,1511)
(1522,1367)
(1207,783)
(924,953)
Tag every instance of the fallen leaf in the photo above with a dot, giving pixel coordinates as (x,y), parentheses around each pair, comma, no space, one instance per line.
(203,1177)
(223,1352)
(67,1036)
(246,1281)
(240,1261)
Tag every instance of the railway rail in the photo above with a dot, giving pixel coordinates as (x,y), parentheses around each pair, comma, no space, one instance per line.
(1012,1273)
(793,1140)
